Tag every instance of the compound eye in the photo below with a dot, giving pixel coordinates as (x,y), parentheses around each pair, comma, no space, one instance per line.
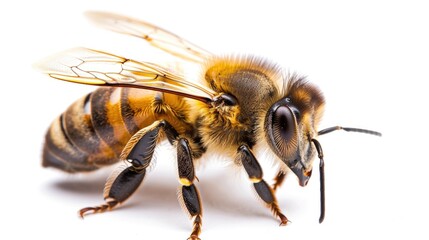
(284,127)
(283,122)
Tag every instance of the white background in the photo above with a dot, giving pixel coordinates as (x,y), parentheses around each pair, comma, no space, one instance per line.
(370,58)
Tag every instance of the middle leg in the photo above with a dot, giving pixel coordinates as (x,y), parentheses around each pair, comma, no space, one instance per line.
(188,193)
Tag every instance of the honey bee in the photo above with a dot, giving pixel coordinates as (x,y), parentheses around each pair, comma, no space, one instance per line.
(242,105)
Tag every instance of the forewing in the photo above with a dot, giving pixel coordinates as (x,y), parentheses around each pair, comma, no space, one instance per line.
(87,66)
(156,36)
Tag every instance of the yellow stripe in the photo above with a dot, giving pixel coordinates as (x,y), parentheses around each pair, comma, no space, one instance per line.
(185,182)
(114,118)
(255,179)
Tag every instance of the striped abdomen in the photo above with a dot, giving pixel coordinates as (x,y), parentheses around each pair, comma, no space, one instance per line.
(93,131)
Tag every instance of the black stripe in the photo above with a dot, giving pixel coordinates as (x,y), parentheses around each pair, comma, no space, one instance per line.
(77,125)
(99,100)
(52,160)
(57,142)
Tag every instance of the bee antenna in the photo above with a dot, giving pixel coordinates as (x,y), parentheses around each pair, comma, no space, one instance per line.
(322,179)
(348,129)
(322,162)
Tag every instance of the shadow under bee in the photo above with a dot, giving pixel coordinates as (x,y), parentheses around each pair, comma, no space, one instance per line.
(160,192)
(80,186)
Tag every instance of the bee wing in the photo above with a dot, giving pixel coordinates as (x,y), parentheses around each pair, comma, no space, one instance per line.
(92,67)
(156,36)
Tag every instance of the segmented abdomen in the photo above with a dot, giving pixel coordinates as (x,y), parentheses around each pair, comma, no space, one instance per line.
(93,131)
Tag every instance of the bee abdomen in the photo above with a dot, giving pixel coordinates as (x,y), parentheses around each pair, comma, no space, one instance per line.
(60,153)
(72,143)
(93,131)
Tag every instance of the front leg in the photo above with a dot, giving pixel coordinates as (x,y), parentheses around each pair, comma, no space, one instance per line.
(278,180)
(254,171)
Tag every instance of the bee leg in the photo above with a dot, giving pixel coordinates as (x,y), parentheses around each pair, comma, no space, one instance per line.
(122,187)
(278,180)
(265,192)
(138,152)
(188,193)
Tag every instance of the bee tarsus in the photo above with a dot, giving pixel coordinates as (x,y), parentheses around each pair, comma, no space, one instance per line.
(111,203)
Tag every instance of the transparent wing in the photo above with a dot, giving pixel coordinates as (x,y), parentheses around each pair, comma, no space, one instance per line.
(156,36)
(87,66)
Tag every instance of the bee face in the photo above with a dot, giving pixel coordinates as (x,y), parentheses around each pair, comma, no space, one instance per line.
(290,126)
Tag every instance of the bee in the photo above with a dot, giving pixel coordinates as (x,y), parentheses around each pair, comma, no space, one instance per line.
(240,106)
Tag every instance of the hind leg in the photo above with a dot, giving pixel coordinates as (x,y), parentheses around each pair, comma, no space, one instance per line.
(138,153)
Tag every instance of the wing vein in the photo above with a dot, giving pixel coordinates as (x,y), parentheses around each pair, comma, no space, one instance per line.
(94,67)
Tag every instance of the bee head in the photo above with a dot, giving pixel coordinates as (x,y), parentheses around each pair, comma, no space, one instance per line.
(290,126)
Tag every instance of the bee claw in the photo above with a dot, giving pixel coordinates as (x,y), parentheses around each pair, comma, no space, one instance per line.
(102,208)
(194,238)
(85,211)
(284,220)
